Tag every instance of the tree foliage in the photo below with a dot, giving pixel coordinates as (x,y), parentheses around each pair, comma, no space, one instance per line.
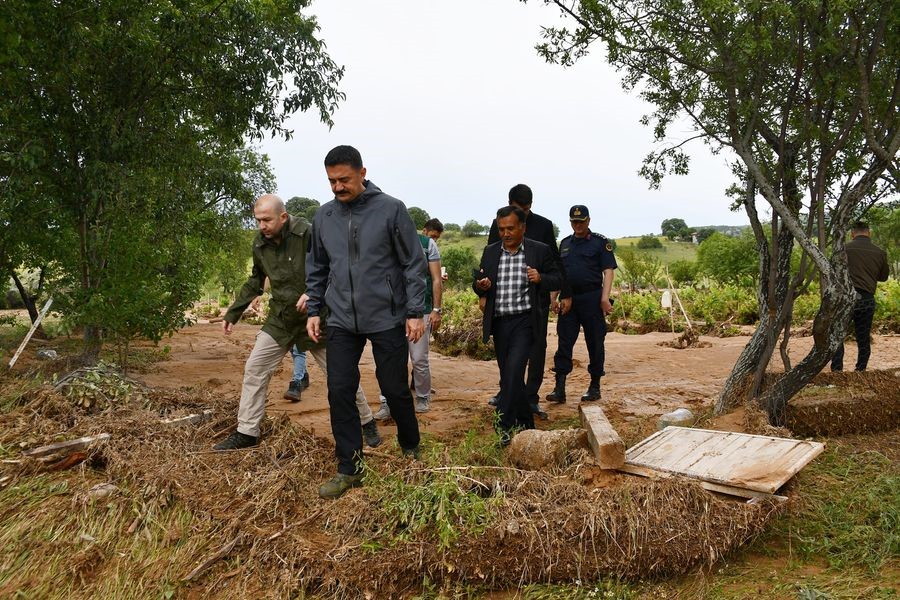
(672,228)
(649,242)
(302,207)
(419,216)
(459,262)
(473,228)
(806,95)
(638,269)
(728,259)
(123,156)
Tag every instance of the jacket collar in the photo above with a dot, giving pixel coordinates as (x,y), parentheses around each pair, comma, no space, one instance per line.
(294,226)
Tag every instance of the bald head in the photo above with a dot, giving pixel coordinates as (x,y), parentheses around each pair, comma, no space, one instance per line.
(270,216)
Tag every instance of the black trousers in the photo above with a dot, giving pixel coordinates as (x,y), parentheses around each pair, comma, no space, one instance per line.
(863,313)
(513,340)
(585,313)
(536,361)
(391,354)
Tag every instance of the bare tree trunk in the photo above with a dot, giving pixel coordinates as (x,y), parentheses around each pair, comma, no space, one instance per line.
(93,341)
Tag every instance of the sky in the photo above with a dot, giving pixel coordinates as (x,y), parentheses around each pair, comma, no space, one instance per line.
(450,106)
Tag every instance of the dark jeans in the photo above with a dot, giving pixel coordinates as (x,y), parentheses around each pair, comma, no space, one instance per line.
(513,339)
(586,313)
(391,352)
(863,312)
(536,361)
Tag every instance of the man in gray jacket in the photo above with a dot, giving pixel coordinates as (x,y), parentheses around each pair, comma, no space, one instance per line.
(365,264)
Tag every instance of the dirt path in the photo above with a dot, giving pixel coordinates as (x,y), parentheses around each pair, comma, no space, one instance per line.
(643,378)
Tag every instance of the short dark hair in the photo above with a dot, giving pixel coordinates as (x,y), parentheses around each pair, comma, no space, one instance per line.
(434,225)
(511,210)
(521,194)
(859,226)
(344,155)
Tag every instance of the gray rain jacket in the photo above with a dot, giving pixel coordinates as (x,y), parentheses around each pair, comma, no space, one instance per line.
(366,263)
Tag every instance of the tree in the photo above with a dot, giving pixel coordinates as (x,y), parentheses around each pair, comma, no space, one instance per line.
(649,242)
(459,262)
(638,269)
(419,216)
(728,259)
(884,220)
(703,234)
(124,137)
(805,95)
(672,228)
(302,207)
(683,271)
(473,228)
(452,227)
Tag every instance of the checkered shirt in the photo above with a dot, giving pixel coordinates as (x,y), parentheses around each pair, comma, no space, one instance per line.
(512,283)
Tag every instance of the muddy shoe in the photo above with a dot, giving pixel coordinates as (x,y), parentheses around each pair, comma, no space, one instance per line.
(340,483)
(304,381)
(236,441)
(293,391)
(422,405)
(383,413)
(370,434)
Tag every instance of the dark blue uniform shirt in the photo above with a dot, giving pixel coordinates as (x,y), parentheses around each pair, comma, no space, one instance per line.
(585,260)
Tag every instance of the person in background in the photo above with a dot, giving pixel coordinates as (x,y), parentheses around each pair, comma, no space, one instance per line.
(512,277)
(868,265)
(366,266)
(589,263)
(540,229)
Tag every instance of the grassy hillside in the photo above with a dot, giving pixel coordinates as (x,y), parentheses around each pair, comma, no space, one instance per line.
(451,239)
(669,253)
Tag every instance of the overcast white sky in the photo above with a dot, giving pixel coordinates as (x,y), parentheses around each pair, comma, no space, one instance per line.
(450,106)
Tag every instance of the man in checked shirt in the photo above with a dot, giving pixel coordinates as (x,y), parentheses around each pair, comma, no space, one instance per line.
(512,275)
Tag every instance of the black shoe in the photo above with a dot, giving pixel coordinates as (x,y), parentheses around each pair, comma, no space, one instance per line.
(236,441)
(592,393)
(370,434)
(558,394)
(493,400)
(293,391)
(304,381)
(505,438)
(536,410)
(412,453)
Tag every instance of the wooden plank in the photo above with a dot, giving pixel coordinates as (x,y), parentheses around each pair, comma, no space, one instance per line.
(191,419)
(68,446)
(707,485)
(31,331)
(606,443)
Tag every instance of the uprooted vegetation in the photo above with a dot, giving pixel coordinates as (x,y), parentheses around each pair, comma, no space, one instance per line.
(183,520)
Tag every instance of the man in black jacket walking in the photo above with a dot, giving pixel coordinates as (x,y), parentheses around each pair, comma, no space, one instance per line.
(366,265)
(514,275)
(540,229)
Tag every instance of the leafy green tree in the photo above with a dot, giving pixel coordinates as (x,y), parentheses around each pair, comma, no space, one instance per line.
(459,262)
(672,228)
(302,207)
(703,234)
(649,242)
(728,259)
(804,94)
(419,216)
(684,271)
(638,269)
(473,228)
(452,227)
(884,221)
(124,135)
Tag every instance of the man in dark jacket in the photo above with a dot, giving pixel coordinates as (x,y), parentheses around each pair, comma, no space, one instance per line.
(366,266)
(540,229)
(279,254)
(514,275)
(868,265)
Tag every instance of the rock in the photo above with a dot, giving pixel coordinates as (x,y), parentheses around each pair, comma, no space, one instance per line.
(102,490)
(680,417)
(46,354)
(536,450)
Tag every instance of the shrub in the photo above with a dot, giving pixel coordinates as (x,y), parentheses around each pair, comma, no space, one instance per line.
(460,331)
(649,242)
(728,259)
(459,262)
(684,271)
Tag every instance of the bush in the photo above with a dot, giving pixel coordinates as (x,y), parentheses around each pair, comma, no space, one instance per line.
(649,242)
(460,331)
(684,271)
(459,262)
(728,259)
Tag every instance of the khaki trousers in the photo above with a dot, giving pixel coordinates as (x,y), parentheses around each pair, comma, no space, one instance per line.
(264,359)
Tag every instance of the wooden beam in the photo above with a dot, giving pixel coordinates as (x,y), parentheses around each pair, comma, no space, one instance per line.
(608,447)
(191,419)
(68,446)
(707,485)
(31,331)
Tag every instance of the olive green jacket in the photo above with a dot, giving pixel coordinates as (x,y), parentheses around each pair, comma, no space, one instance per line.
(285,266)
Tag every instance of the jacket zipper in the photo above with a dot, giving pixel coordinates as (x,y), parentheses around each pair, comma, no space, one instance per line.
(391,296)
(351,241)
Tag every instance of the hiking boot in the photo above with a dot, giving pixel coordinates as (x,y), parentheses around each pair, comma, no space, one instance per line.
(236,441)
(340,483)
(536,410)
(558,394)
(422,405)
(412,453)
(293,391)
(494,399)
(304,381)
(383,413)
(593,391)
(370,434)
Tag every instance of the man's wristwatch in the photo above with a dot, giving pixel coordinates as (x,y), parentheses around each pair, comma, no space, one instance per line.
(436,309)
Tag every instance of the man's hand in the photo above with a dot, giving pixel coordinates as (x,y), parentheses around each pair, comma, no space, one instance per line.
(554,306)
(534,275)
(415,328)
(482,302)
(565,305)
(255,303)
(312,329)
(227,327)
(434,321)
(483,284)
(301,303)
(606,306)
